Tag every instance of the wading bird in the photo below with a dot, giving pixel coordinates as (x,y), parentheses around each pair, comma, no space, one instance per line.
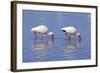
(42,29)
(69,31)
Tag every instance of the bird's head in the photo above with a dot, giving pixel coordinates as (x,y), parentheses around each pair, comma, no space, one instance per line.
(78,34)
(51,35)
(63,29)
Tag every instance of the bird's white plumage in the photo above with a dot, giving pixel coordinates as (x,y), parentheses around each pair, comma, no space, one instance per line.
(70,29)
(40,29)
(78,34)
(50,33)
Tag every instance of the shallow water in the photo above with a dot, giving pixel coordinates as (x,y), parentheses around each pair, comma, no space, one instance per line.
(60,48)
(56,50)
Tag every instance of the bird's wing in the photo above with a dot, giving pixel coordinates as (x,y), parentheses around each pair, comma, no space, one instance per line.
(40,29)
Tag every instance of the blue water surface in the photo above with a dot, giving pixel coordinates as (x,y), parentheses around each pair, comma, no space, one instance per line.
(38,50)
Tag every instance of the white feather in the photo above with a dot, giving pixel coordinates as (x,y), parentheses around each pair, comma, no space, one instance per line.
(50,33)
(40,29)
(70,29)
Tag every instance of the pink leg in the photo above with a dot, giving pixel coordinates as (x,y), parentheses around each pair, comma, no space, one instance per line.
(66,34)
(35,34)
(69,38)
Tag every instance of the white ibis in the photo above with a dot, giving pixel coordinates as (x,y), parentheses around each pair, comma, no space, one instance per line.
(42,29)
(70,30)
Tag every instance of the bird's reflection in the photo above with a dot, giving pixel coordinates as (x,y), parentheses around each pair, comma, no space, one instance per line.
(42,44)
(41,49)
(72,44)
(70,48)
